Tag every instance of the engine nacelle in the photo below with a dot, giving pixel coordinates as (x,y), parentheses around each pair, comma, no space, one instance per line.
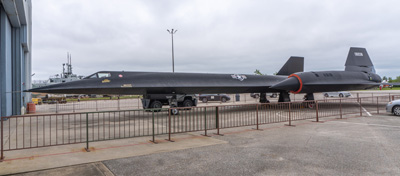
(328,81)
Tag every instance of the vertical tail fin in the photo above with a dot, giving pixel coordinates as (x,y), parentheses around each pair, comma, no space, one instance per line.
(358,60)
(293,65)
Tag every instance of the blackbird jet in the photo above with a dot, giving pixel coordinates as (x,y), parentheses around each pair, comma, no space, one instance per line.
(359,74)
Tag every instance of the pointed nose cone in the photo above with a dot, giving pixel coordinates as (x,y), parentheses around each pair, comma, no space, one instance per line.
(290,84)
(39,89)
(56,88)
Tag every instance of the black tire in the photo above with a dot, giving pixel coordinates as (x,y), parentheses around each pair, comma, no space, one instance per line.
(174,111)
(274,95)
(340,95)
(204,100)
(326,95)
(156,105)
(187,103)
(223,99)
(396,110)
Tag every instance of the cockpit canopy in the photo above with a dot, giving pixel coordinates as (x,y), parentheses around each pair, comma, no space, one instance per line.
(99,75)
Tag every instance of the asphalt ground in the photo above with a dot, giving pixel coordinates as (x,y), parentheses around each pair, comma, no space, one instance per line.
(352,146)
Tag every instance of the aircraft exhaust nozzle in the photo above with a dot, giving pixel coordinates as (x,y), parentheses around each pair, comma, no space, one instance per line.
(290,84)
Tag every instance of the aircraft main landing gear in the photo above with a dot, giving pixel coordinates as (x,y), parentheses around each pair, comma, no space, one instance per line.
(309,100)
(263,98)
(284,97)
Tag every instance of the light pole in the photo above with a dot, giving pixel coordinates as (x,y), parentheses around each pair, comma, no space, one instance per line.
(172,32)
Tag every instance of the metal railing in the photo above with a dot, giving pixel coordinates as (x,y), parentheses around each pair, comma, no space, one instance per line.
(91,105)
(43,130)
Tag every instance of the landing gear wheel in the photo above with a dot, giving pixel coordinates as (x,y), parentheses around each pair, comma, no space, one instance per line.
(156,105)
(174,111)
(204,100)
(326,95)
(341,95)
(396,110)
(187,103)
(223,99)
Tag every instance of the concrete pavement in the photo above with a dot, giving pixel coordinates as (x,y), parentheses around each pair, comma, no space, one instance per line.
(352,146)
(67,155)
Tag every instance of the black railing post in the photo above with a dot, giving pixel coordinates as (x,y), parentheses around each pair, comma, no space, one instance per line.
(87,133)
(2,145)
(154,141)
(257,117)
(169,125)
(340,103)
(205,122)
(290,117)
(217,120)
(316,110)
(360,107)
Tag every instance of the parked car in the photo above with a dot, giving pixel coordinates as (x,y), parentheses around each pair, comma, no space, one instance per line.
(257,95)
(214,97)
(393,107)
(337,94)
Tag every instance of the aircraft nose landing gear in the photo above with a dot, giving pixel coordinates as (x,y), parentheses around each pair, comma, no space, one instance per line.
(173,104)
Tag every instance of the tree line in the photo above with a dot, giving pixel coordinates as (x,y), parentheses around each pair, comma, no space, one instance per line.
(390,79)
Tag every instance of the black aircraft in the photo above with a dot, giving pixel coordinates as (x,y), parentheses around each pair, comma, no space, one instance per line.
(359,74)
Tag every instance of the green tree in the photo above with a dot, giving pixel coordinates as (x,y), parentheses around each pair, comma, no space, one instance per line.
(384,78)
(257,72)
(397,79)
(390,79)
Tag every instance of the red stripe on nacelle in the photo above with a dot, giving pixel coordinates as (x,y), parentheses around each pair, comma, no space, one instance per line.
(301,83)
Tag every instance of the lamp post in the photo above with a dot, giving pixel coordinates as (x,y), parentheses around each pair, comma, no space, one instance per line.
(172,32)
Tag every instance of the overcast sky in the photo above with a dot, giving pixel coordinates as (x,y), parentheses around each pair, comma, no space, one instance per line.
(216,36)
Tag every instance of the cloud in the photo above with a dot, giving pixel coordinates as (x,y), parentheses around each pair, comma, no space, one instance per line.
(213,36)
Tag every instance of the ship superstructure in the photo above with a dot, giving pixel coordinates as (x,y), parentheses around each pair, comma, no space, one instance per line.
(66,76)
